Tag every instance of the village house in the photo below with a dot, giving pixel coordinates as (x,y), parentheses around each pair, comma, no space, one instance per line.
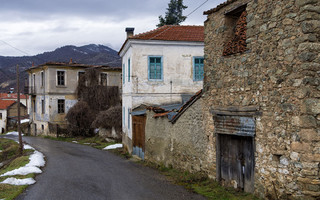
(160,67)
(9,114)
(52,89)
(14,96)
(262,96)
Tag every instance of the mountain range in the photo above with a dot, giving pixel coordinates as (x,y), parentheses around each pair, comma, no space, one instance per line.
(89,54)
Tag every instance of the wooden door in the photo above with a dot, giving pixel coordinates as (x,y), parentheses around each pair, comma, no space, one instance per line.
(237,161)
(138,135)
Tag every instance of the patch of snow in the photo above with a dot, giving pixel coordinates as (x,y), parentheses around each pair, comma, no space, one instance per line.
(36,161)
(14,133)
(26,146)
(24,121)
(74,141)
(15,181)
(114,146)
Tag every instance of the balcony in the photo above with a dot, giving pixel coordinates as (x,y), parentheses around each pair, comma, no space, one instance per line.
(31,90)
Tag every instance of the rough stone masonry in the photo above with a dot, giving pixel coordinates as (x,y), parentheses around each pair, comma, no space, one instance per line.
(279,74)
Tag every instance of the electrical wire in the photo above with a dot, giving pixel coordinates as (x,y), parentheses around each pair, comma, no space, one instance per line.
(196,8)
(24,53)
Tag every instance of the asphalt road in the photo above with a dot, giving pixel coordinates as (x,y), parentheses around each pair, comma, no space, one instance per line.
(80,172)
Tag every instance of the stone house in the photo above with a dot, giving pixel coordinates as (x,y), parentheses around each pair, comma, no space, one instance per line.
(52,89)
(162,66)
(9,114)
(262,96)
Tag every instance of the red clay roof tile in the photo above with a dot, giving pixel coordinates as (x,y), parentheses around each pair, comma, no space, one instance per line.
(4,104)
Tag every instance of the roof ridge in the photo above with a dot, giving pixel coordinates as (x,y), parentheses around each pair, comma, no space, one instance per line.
(147,32)
(169,27)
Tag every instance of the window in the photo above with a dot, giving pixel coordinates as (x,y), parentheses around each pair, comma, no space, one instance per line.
(198,68)
(103,79)
(128,118)
(60,78)
(81,76)
(129,70)
(42,106)
(42,79)
(34,106)
(123,73)
(61,106)
(155,68)
(124,116)
(0,115)
(42,127)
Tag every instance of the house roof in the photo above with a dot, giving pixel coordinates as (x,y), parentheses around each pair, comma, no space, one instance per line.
(72,64)
(174,114)
(12,96)
(4,104)
(186,33)
(228,2)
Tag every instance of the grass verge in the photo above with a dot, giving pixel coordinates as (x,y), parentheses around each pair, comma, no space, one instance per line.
(10,156)
(201,184)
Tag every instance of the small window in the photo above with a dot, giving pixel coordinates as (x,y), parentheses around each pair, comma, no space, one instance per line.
(155,68)
(123,73)
(0,115)
(81,76)
(124,116)
(34,106)
(129,70)
(61,78)
(42,106)
(42,79)
(128,118)
(61,106)
(103,79)
(198,68)
(42,127)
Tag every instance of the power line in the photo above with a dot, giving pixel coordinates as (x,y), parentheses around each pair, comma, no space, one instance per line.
(197,8)
(25,53)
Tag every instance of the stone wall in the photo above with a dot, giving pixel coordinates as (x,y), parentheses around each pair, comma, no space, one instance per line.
(181,145)
(278,73)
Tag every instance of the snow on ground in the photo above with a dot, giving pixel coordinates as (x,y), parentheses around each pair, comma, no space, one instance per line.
(13,133)
(114,146)
(15,181)
(24,121)
(36,161)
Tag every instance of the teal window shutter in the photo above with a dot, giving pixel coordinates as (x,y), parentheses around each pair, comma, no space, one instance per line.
(129,70)
(198,68)
(155,70)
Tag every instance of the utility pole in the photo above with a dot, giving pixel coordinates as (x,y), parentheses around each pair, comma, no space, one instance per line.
(19,129)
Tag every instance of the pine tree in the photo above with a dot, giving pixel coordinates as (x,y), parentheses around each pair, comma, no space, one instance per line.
(173,14)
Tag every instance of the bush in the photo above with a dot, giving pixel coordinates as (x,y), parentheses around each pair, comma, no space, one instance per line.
(80,118)
(109,118)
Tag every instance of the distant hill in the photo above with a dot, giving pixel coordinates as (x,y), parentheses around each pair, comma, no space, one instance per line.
(89,54)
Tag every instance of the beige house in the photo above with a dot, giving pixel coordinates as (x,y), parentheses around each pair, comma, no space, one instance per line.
(52,89)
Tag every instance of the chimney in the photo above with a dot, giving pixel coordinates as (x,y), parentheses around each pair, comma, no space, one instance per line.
(70,62)
(129,32)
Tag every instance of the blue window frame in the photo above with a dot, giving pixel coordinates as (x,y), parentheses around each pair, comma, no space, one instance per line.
(155,70)
(198,68)
(123,73)
(123,116)
(129,70)
(128,118)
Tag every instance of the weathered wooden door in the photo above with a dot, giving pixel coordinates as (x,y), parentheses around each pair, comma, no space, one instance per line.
(237,161)
(138,135)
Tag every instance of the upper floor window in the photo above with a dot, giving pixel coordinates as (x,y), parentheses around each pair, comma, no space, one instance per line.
(103,79)
(42,106)
(198,68)
(42,79)
(61,106)
(123,73)
(129,70)
(0,115)
(155,68)
(61,78)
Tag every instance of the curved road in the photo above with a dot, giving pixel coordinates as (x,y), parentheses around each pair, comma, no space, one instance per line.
(81,172)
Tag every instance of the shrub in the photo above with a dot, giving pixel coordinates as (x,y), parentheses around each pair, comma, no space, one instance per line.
(80,118)
(109,118)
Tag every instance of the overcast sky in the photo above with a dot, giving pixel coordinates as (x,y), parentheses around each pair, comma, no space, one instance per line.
(36,26)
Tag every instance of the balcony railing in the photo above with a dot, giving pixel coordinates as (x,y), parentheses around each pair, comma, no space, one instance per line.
(30,90)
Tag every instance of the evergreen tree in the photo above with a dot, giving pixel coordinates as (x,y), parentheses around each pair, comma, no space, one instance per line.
(173,14)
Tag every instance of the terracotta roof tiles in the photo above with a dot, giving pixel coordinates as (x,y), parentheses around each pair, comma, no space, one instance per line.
(4,104)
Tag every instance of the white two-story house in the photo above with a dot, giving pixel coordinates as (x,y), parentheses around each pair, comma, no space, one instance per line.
(52,89)
(159,67)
